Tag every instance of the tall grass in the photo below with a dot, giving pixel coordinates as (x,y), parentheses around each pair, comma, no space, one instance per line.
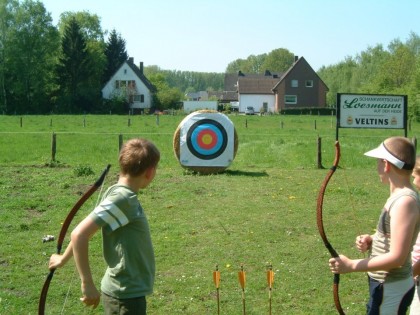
(260,211)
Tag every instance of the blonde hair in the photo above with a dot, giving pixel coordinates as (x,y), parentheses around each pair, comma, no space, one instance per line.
(137,155)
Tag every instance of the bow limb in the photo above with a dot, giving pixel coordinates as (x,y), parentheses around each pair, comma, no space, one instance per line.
(64,228)
(321,229)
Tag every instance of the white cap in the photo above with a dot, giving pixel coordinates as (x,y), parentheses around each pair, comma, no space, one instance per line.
(382,152)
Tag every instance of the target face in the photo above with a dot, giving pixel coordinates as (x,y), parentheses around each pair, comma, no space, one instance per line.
(206,140)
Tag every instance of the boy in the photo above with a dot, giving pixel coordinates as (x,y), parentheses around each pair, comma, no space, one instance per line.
(127,245)
(389,268)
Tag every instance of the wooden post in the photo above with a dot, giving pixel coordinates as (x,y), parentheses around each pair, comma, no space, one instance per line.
(120,142)
(51,122)
(129,122)
(53,146)
(319,154)
(315,124)
(157,119)
(246,123)
(21,122)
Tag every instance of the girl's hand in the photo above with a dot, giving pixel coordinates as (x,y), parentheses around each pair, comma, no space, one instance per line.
(340,264)
(363,242)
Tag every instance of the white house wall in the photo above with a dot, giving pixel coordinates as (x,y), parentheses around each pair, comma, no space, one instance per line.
(191,106)
(256,101)
(125,73)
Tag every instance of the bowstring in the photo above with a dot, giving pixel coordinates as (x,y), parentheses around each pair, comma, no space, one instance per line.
(352,204)
(74,269)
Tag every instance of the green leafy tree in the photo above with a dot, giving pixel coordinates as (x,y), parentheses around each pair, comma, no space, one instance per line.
(115,53)
(7,10)
(278,60)
(166,97)
(30,45)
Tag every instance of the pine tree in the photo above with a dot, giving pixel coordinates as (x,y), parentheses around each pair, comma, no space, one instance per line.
(115,53)
(73,71)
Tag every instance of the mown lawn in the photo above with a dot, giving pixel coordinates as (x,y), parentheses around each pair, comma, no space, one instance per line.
(260,211)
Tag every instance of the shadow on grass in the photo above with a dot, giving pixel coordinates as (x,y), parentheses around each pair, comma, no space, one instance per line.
(245,173)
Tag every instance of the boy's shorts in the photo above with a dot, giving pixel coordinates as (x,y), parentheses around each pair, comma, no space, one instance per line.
(134,306)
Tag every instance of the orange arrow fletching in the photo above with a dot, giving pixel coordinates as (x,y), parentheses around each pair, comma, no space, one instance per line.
(216,278)
(242,278)
(270,278)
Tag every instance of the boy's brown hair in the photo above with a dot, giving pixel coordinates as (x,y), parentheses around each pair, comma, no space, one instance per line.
(403,149)
(137,155)
(399,151)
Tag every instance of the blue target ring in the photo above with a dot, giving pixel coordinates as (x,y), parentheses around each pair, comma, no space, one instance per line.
(207,139)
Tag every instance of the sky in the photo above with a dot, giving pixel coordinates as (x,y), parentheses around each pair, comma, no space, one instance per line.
(206,35)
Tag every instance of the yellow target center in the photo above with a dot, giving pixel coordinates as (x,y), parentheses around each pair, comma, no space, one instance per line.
(207,139)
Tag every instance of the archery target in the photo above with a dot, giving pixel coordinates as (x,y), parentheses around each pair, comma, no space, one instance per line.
(206,139)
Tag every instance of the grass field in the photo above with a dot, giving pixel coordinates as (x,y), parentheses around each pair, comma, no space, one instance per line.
(261,210)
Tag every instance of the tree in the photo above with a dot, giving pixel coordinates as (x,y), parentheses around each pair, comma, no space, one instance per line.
(91,30)
(166,97)
(6,19)
(29,51)
(73,71)
(278,60)
(115,53)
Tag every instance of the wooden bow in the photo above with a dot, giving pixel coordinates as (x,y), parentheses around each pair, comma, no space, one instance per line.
(64,228)
(320,224)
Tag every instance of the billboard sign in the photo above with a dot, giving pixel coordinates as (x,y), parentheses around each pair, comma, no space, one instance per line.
(371,111)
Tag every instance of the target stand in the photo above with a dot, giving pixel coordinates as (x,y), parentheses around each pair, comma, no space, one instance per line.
(205,142)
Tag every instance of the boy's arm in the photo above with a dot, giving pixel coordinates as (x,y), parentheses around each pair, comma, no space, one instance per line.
(80,241)
(57,260)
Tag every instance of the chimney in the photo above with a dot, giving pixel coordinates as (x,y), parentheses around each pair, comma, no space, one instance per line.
(141,67)
(131,60)
(296,58)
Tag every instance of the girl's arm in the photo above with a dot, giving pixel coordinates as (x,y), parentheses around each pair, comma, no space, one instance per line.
(404,216)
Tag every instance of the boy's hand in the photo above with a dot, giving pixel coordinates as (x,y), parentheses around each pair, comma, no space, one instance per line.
(363,242)
(56,261)
(91,295)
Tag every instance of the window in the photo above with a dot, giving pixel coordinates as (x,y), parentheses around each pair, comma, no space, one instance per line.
(138,98)
(131,84)
(309,83)
(290,99)
(294,83)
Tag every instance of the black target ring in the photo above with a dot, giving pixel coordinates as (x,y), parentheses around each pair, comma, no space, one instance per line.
(215,143)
